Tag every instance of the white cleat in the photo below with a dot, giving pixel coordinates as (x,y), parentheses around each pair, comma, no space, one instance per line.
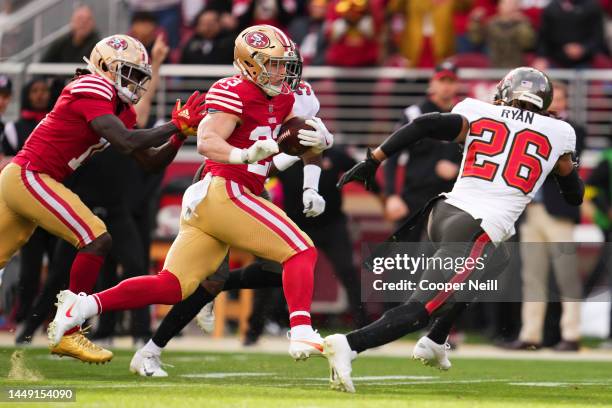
(431,353)
(303,347)
(69,314)
(339,355)
(205,319)
(147,364)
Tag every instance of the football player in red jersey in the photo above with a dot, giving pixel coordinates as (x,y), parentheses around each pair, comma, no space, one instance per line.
(94,111)
(244,116)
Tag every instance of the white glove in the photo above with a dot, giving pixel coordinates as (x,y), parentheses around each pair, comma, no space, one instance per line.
(319,139)
(258,151)
(314,204)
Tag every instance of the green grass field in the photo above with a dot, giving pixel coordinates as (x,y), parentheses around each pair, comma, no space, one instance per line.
(261,380)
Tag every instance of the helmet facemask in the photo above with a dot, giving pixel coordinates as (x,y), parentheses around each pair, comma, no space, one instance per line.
(131,80)
(278,75)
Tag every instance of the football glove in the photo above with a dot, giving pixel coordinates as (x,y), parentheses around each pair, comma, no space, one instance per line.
(186,118)
(364,172)
(259,151)
(314,204)
(318,139)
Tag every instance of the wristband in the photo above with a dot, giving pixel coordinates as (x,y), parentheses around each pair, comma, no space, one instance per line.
(311,177)
(283,161)
(176,141)
(238,156)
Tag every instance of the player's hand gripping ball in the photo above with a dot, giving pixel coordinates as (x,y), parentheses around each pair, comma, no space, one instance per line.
(288,138)
(187,117)
(319,139)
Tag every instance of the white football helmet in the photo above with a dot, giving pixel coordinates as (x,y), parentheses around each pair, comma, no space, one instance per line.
(124,61)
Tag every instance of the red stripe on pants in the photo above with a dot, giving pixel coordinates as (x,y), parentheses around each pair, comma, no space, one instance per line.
(442,296)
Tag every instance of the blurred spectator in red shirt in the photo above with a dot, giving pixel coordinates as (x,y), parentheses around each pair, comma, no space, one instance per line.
(571,34)
(352,34)
(307,32)
(507,34)
(210,44)
(428,37)
(277,13)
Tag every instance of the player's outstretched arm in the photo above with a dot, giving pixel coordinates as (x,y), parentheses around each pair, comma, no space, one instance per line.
(570,183)
(213,133)
(185,119)
(442,126)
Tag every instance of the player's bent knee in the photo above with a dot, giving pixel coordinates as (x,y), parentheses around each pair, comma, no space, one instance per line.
(100,246)
(309,255)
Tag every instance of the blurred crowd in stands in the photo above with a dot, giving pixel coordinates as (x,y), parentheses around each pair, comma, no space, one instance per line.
(366,33)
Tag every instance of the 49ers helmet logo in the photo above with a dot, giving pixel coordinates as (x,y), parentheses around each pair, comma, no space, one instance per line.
(117,43)
(257,39)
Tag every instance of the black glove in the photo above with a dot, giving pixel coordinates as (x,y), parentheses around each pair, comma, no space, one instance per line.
(364,171)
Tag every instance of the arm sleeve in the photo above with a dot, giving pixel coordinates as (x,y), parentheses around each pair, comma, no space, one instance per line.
(440,126)
(572,187)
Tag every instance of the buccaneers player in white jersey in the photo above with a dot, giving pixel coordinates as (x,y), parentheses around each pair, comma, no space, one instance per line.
(94,111)
(244,116)
(510,148)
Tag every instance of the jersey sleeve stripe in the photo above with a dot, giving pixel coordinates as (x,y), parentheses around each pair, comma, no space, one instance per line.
(90,90)
(212,104)
(97,80)
(221,91)
(85,86)
(221,98)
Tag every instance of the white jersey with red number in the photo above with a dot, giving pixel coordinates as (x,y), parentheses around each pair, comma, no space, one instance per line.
(261,118)
(306,103)
(508,153)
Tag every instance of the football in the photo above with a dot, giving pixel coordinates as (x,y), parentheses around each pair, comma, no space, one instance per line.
(288,141)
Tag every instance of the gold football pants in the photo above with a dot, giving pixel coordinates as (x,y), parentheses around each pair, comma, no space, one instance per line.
(29,199)
(230,216)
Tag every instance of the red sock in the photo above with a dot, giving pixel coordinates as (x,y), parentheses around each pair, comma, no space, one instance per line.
(84,272)
(298,281)
(163,288)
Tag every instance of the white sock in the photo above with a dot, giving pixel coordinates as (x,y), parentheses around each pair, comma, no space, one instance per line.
(152,348)
(90,306)
(301,331)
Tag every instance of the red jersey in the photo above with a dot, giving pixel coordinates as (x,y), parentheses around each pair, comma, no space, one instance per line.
(63,140)
(261,118)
